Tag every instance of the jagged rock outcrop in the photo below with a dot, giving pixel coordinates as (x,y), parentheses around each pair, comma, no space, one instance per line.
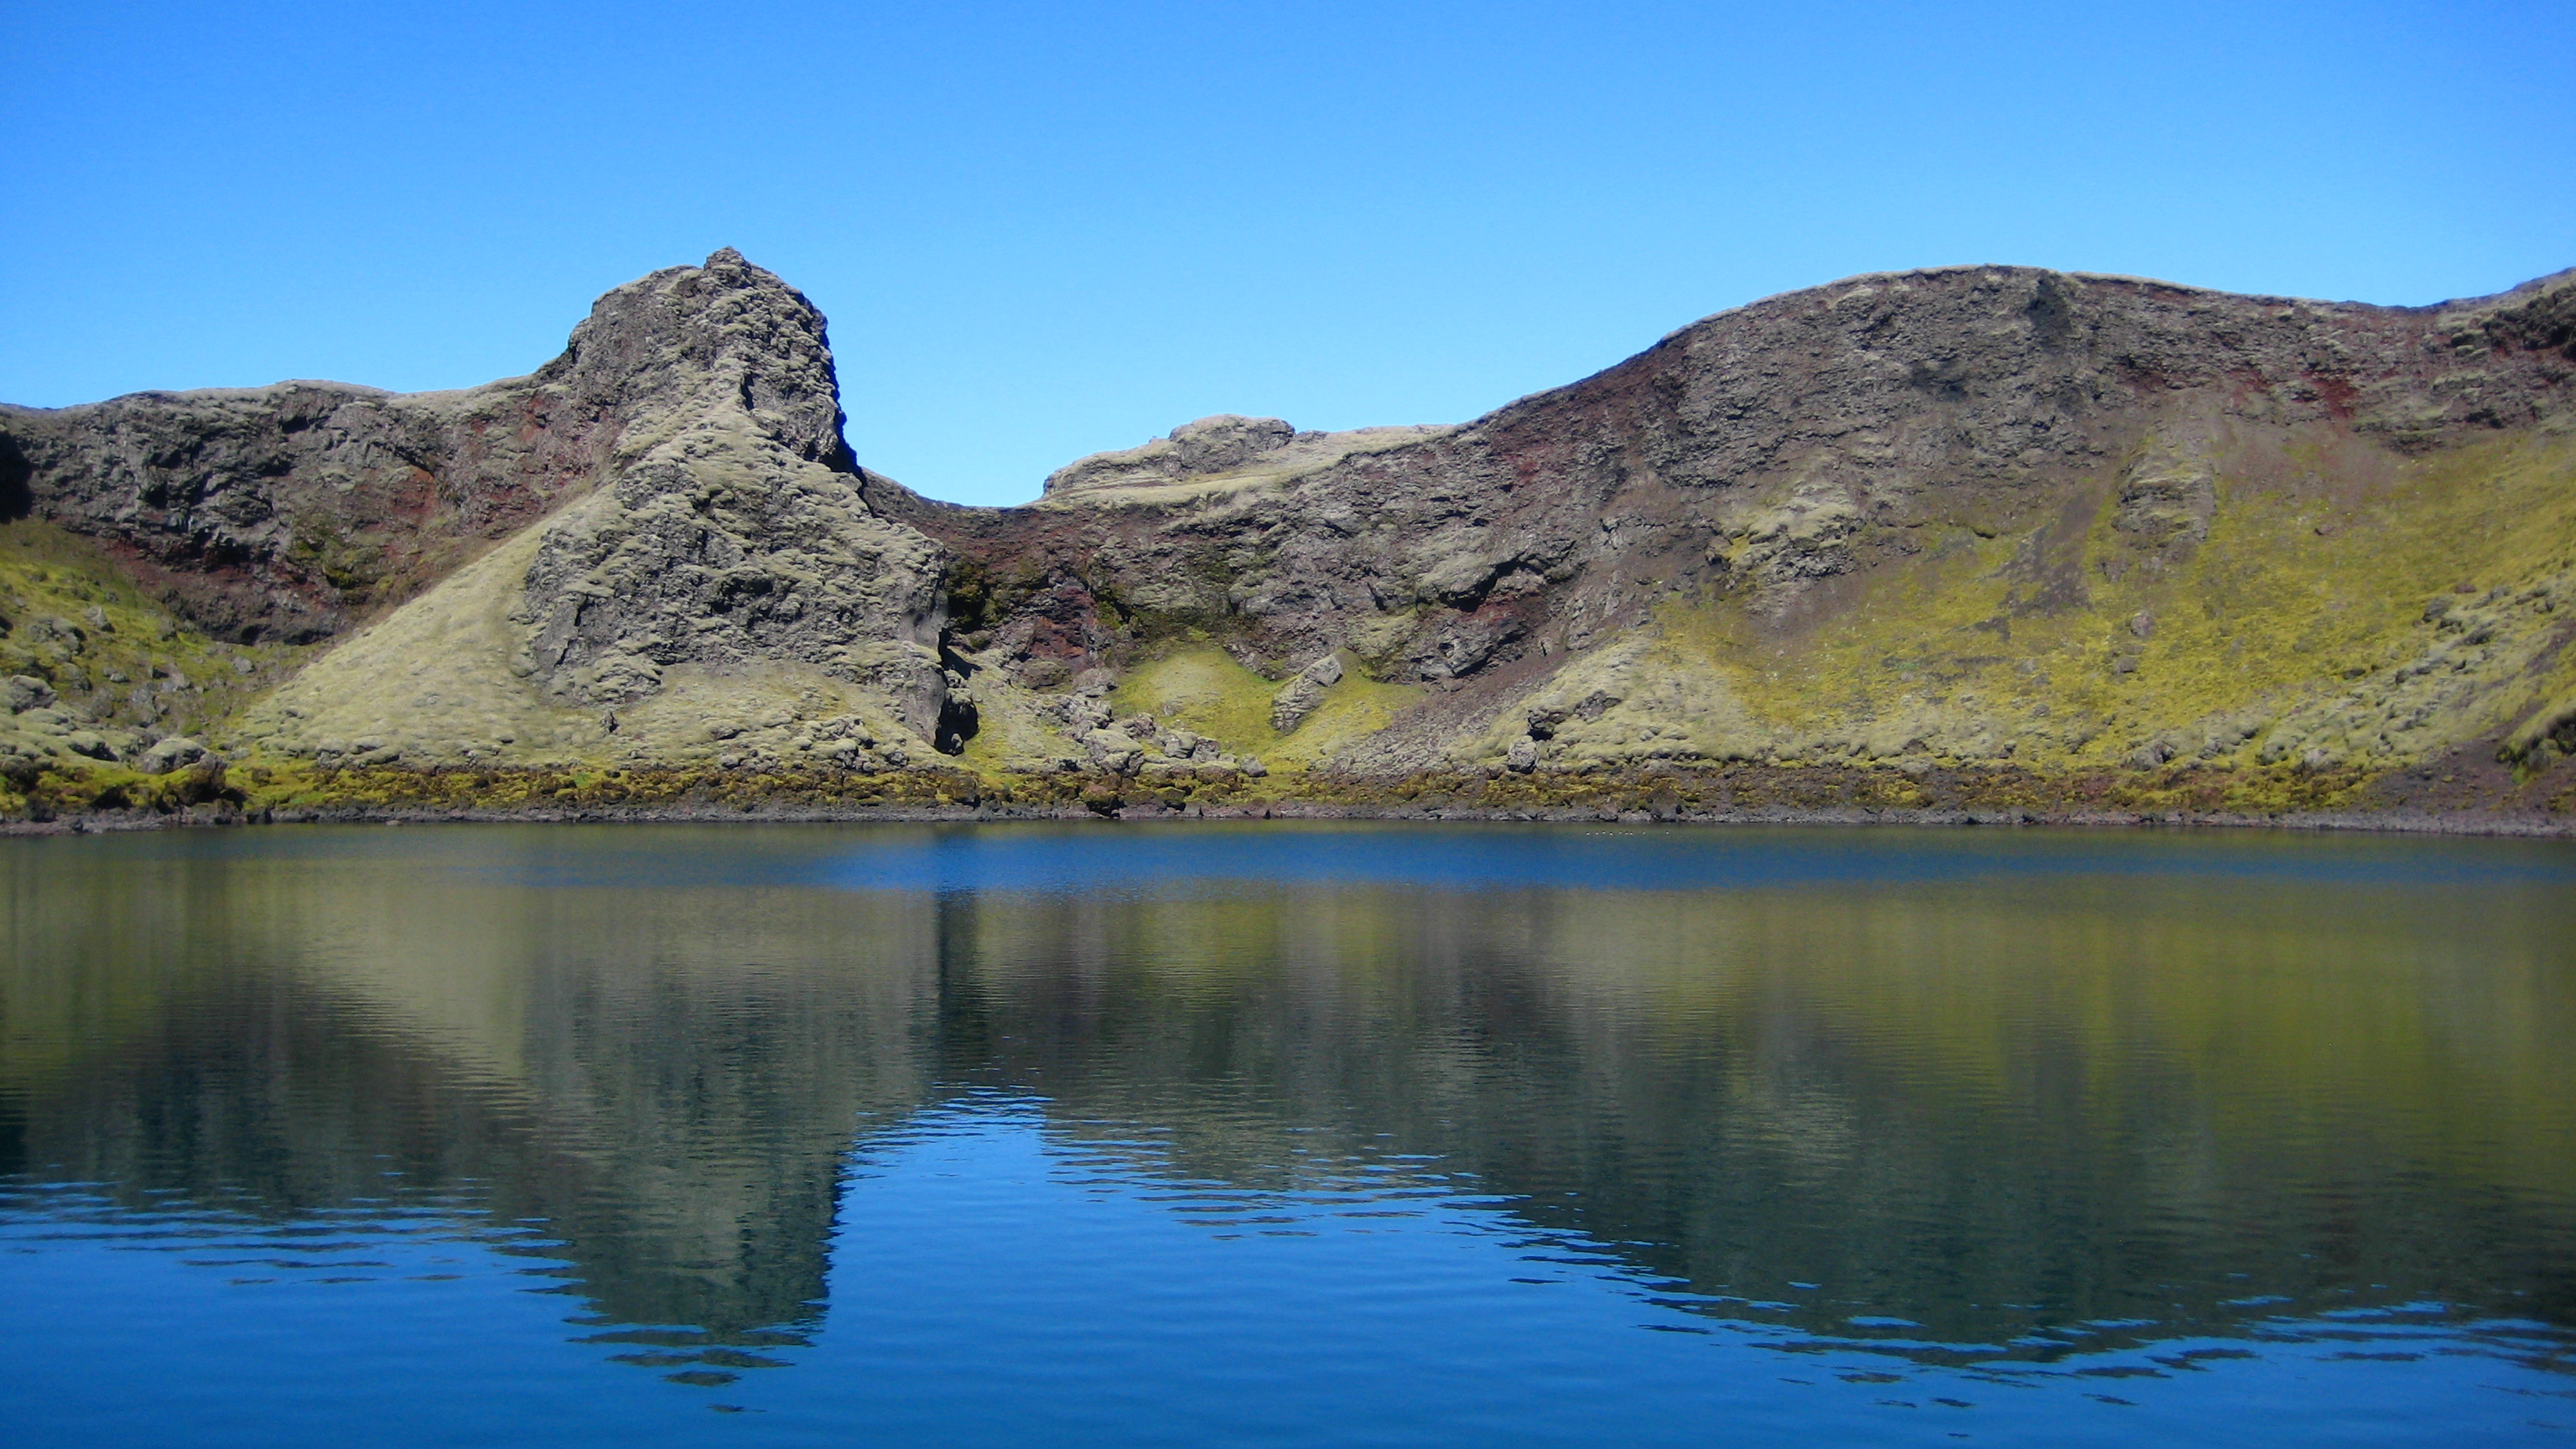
(670,497)
(286,511)
(735,535)
(724,591)
(719,549)
(1225,448)
(1298,697)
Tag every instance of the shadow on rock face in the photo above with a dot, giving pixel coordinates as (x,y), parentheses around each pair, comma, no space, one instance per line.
(16,500)
(959,721)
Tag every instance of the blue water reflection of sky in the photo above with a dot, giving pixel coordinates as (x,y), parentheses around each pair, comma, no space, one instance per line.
(993,1283)
(1112,858)
(1142,857)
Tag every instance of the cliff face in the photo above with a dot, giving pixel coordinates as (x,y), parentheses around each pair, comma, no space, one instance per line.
(1972,515)
(663,521)
(281,512)
(1968,522)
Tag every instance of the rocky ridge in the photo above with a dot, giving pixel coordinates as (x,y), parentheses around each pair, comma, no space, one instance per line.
(1227,450)
(673,531)
(1974,515)
(1900,534)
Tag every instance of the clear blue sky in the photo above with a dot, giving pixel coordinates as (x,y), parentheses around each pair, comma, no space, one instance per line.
(1044,230)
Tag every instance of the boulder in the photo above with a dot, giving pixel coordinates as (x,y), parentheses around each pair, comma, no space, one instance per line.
(175,753)
(20,692)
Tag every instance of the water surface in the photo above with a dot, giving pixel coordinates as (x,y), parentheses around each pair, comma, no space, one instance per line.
(1191,1135)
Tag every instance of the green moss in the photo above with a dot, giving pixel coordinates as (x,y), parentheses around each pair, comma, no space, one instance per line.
(295,786)
(1351,710)
(1206,690)
(982,594)
(2073,645)
(70,616)
(82,787)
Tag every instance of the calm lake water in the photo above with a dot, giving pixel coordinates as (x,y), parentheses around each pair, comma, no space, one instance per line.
(1349,1135)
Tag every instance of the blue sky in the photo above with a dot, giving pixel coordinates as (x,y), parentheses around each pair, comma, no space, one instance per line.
(1044,230)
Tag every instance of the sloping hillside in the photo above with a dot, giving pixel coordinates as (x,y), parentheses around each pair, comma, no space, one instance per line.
(1983,539)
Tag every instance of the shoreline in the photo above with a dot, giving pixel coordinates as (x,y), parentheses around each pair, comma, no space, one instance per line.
(2391,822)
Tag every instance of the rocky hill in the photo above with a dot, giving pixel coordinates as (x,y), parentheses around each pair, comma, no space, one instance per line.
(1978,540)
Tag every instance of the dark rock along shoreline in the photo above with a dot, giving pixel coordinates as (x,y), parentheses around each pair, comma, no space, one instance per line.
(1982,544)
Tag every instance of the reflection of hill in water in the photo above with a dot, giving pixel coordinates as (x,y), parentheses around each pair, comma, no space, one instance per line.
(2086,1099)
(1936,1103)
(667,1079)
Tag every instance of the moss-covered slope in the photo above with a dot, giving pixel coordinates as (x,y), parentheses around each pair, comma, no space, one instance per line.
(2090,536)
(1977,539)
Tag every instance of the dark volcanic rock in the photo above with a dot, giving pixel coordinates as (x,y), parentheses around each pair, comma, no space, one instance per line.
(1761,455)
(671,493)
(284,511)
(1969,519)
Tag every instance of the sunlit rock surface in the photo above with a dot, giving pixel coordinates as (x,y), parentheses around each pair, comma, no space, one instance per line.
(1979,536)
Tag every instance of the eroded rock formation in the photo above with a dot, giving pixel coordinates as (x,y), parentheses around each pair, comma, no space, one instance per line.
(672,527)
